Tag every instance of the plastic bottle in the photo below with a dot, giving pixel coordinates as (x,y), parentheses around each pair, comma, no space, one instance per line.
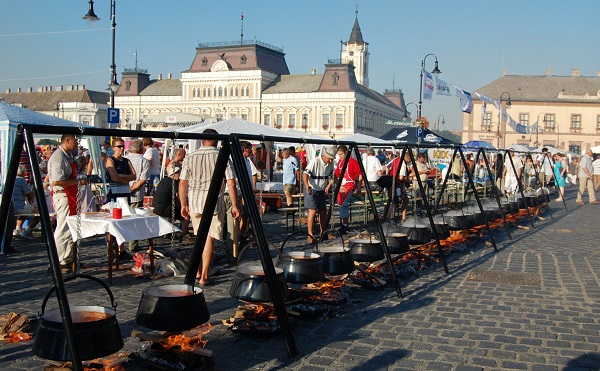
(155,184)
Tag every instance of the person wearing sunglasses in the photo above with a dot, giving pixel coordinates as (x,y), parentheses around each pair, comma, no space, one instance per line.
(119,172)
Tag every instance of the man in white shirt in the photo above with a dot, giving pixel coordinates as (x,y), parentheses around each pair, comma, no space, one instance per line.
(586,172)
(253,174)
(544,163)
(196,175)
(373,169)
(511,180)
(317,179)
(596,166)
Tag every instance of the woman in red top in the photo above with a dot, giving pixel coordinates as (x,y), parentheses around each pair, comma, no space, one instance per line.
(350,183)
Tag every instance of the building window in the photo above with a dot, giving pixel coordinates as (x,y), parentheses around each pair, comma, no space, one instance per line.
(598,122)
(247,91)
(220,91)
(486,123)
(204,62)
(325,121)
(339,120)
(267,119)
(304,120)
(335,78)
(524,119)
(245,116)
(549,121)
(243,59)
(279,120)
(127,85)
(575,148)
(576,121)
(292,120)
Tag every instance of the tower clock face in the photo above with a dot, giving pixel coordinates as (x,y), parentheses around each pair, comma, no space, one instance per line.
(351,53)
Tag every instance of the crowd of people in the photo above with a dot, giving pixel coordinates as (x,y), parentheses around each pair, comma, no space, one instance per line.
(134,173)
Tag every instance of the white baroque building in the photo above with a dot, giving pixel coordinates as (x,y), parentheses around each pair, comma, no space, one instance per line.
(251,80)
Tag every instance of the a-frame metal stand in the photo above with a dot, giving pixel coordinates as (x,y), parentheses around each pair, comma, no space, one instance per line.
(231,146)
(25,135)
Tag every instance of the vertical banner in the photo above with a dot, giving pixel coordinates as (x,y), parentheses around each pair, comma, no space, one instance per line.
(428,85)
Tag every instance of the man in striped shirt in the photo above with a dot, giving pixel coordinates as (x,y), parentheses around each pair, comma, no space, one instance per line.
(196,175)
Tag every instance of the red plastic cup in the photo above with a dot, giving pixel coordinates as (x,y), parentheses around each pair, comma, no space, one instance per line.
(117,213)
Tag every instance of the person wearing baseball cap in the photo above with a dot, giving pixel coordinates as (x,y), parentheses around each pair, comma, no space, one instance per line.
(317,179)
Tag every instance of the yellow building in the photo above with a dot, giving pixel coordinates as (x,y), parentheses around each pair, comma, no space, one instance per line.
(566,108)
(251,80)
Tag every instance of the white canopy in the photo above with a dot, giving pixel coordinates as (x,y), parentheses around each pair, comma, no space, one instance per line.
(519,148)
(10,118)
(595,149)
(367,139)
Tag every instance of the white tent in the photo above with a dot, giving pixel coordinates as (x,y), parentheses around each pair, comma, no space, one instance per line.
(595,149)
(10,118)
(367,139)
(520,148)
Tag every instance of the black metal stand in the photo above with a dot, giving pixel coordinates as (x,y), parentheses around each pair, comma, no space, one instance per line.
(519,187)
(382,237)
(495,191)
(61,293)
(428,209)
(472,185)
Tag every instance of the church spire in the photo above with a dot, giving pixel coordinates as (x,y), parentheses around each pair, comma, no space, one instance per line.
(356,34)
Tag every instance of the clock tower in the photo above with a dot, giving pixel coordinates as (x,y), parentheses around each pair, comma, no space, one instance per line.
(356,52)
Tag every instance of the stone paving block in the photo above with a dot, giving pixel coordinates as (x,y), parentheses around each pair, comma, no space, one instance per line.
(486,362)
(509,365)
(468,368)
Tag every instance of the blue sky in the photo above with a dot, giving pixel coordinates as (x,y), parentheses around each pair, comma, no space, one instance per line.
(473,40)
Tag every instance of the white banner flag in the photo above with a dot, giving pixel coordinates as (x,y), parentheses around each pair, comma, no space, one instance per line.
(441,88)
(428,86)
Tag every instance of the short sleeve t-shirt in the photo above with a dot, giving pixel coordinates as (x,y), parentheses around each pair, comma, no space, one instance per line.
(20,192)
(153,156)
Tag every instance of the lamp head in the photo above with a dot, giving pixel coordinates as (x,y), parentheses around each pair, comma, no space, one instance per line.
(114,86)
(91,18)
(436,70)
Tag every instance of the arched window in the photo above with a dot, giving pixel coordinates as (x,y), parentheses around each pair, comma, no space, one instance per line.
(220,91)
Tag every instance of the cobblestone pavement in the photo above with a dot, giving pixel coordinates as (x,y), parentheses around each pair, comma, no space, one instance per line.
(478,317)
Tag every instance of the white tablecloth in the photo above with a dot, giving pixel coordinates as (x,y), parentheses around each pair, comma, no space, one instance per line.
(134,227)
(270,186)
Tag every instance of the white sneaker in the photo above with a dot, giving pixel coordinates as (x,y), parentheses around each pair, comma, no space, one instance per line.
(27,236)
(17,232)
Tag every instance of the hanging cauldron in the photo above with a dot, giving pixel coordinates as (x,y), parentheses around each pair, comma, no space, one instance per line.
(97,332)
(397,243)
(336,259)
(172,308)
(416,232)
(457,220)
(250,282)
(442,228)
(543,195)
(366,250)
(299,266)
(476,215)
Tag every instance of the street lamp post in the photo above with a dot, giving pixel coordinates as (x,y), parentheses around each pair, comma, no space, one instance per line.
(406,110)
(537,129)
(500,123)
(498,136)
(436,71)
(438,121)
(92,18)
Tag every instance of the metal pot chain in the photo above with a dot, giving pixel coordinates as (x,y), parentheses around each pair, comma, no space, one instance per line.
(80,188)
